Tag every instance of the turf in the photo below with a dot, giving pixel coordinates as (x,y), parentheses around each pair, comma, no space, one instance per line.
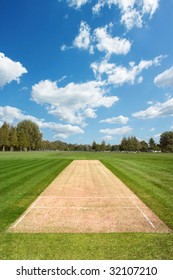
(23,176)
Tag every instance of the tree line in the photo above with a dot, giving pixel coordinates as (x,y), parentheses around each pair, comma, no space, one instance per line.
(26,136)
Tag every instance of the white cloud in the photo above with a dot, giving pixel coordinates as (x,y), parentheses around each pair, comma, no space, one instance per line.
(116,120)
(157,135)
(116,131)
(168,95)
(158,110)
(82,41)
(14,115)
(118,75)
(150,102)
(61,131)
(89,113)
(132,12)
(74,102)
(100,39)
(110,45)
(107,138)
(131,18)
(64,48)
(152,129)
(10,114)
(165,79)
(10,70)
(150,6)
(102,67)
(76,3)
(140,80)
(23,88)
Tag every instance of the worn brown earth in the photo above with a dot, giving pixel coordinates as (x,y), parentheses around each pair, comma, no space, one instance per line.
(87,198)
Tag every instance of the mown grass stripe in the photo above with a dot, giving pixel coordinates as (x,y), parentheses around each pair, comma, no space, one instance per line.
(148,191)
(21,195)
(25,178)
(18,169)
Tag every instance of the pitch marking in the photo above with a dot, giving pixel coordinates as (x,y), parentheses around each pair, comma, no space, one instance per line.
(32,206)
(142,213)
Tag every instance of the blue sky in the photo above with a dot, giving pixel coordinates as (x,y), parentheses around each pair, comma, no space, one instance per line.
(88,70)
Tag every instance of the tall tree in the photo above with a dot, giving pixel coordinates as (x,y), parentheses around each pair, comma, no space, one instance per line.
(103,146)
(124,144)
(152,145)
(4,136)
(32,134)
(94,145)
(22,140)
(144,146)
(135,143)
(166,141)
(13,140)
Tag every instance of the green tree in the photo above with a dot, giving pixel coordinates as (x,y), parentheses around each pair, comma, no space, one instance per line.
(144,146)
(94,145)
(22,140)
(124,144)
(115,148)
(103,146)
(166,141)
(32,134)
(13,140)
(152,145)
(135,143)
(130,144)
(4,136)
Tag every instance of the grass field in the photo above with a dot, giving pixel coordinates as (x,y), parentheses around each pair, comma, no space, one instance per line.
(23,176)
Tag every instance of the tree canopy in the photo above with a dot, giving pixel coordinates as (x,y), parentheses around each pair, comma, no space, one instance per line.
(26,136)
(166,141)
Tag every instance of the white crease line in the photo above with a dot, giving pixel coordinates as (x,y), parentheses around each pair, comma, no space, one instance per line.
(34,203)
(82,207)
(142,213)
(91,197)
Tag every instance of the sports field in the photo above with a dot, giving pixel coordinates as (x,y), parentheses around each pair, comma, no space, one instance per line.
(86,197)
(24,177)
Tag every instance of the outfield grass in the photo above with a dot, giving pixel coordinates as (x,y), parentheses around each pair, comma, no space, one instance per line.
(23,176)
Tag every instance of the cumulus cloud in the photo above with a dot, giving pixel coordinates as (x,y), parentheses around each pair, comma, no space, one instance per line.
(118,75)
(104,67)
(116,120)
(10,114)
(150,6)
(116,131)
(13,115)
(165,79)
(132,12)
(83,40)
(158,110)
(10,70)
(110,45)
(100,39)
(131,18)
(61,130)
(76,3)
(74,102)
(107,138)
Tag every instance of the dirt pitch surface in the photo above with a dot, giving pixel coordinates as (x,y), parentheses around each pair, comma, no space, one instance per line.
(87,198)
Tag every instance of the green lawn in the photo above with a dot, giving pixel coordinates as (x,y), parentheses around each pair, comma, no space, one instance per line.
(23,176)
